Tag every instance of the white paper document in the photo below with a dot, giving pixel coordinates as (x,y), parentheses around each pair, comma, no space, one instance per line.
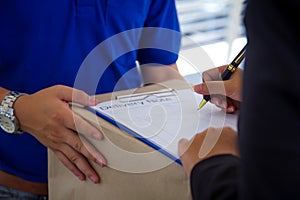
(164,117)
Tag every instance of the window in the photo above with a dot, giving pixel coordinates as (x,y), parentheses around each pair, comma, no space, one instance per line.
(216,26)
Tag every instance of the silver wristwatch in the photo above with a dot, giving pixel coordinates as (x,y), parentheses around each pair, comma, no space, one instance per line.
(8,121)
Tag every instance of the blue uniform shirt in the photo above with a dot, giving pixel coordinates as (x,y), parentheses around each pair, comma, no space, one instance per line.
(44,43)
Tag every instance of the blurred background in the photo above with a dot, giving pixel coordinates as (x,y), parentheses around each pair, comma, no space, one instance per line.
(211,27)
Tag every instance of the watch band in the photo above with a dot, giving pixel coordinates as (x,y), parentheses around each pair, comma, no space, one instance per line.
(9,99)
(7,108)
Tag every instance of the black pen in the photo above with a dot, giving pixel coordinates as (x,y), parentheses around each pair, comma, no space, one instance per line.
(231,68)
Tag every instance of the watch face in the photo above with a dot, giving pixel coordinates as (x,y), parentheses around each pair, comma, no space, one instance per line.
(6,124)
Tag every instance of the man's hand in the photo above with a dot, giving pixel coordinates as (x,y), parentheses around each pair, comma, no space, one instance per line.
(211,142)
(224,94)
(48,117)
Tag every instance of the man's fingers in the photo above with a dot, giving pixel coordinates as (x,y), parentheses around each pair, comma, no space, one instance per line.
(71,166)
(76,123)
(82,146)
(82,98)
(82,126)
(72,157)
(93,151)
(69,94)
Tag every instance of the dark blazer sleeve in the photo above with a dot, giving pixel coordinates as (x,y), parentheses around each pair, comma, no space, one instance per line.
(269,131)
(215,178)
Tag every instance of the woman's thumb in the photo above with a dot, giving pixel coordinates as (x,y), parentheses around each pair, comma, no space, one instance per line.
(183,144)
(211,87)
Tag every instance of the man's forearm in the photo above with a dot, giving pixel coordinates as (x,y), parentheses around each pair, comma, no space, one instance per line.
(158,74)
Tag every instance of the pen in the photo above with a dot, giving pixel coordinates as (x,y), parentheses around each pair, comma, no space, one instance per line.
(227,73)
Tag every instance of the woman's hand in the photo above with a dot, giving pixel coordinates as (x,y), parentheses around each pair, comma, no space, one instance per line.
(211,142)
(224,94)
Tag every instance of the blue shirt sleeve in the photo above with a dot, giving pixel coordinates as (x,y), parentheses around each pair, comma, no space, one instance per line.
(160,45)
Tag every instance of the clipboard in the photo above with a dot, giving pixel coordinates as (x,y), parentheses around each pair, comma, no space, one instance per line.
(132,99)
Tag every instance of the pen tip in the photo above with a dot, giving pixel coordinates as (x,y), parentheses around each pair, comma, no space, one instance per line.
(203,102)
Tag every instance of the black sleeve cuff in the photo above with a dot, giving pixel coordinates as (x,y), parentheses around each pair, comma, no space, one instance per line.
(215,178)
